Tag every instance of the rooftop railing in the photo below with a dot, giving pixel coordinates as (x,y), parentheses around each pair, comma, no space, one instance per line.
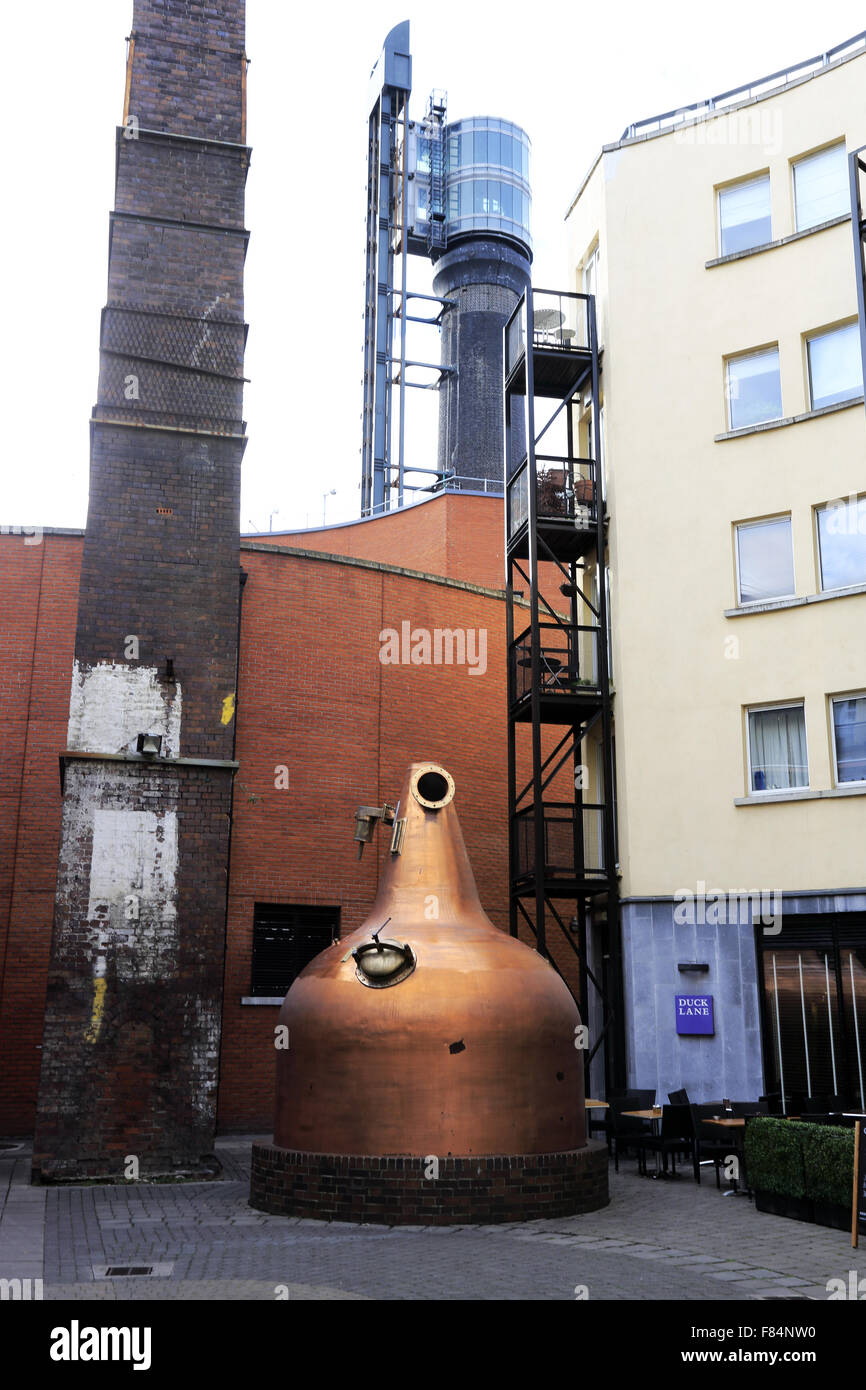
(763,86)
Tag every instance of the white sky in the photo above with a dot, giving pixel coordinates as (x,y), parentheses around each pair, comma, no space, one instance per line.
(573,79)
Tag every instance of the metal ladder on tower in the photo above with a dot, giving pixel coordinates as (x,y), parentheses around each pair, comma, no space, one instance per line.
(435,123)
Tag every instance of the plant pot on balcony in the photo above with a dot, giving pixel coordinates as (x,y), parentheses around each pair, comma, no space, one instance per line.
(583,492)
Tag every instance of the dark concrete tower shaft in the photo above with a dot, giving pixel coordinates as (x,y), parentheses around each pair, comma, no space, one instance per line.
(132,1028)
(484,278)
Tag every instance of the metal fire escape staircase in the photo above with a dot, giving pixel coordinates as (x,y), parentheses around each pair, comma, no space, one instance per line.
(562,836)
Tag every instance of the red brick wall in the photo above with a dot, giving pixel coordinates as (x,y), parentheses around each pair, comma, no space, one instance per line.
(40,599)
(313,696)
(456,535)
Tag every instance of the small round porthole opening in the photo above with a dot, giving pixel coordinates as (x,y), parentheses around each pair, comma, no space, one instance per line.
(433,787)
(380,963)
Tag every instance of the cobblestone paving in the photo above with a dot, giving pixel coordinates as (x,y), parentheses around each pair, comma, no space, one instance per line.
(657,1240)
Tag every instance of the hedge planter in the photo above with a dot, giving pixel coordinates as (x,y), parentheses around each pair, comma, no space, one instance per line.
(800,1170)
(774,1157)
(796,1208)
(831,1214)
(828,1162)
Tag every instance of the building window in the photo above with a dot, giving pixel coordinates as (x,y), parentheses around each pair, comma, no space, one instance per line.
(814,1009)
(849,738)
(590,274)
(744,215)
(821,189)
(835,371)
(754,388)
(777,748)
(765,560)
(842,543)
(286,937)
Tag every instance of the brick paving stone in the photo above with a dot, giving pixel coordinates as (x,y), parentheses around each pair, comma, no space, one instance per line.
(667,1241)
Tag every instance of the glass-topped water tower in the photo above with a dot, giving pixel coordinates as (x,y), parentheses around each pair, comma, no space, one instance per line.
(482,272)
(458,193)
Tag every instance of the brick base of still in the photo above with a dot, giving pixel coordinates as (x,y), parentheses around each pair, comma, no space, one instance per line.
(397,1190)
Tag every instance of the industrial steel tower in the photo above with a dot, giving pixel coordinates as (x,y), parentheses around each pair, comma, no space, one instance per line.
(458,194)
(132,1026)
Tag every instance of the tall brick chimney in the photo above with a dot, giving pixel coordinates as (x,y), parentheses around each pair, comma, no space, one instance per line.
(132,1026)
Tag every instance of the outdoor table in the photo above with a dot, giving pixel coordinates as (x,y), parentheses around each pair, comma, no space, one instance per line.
(653,1115)
(731,1122)
(595,1104)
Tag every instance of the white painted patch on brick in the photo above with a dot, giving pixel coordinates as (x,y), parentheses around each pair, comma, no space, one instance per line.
(205,1058)
(111,704)
(134,853)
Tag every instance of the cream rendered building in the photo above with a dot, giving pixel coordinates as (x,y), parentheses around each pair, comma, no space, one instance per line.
(720,248)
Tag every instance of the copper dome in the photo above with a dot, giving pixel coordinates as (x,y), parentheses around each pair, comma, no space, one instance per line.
(427,1030)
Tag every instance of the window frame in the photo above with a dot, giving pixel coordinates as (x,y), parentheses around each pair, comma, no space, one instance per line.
(592,260)
(762,521)
(264,910)
(851,695)
(721,189)
(857,498)
(767,709)
(802,159)
(740,357)
(812,337)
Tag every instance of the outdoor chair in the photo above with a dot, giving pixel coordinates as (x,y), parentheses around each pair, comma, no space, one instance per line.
(743,1108)
(677,1137)
(626,1131)
(710,1144)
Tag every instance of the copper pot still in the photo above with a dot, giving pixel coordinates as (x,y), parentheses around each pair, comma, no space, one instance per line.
(428,1030)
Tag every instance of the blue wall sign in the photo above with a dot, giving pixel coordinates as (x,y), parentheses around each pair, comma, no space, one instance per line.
(695,1013)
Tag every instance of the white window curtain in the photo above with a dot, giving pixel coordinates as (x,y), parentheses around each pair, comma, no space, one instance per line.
(778,748)
(766,560)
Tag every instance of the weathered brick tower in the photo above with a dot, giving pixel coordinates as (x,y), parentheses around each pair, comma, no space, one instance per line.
(132,1028)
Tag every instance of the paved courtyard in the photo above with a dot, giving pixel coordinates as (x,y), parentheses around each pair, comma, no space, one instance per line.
(657,1240)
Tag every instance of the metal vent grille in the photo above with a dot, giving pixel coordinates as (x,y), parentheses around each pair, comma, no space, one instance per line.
(286,937)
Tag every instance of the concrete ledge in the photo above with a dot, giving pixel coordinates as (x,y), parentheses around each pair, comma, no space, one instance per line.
(392,1189)
(784,421)
(780,241)
(773,605)
(800,794)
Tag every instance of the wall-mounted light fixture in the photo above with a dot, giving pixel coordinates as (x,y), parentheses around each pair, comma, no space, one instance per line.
(149,745)
(692,967)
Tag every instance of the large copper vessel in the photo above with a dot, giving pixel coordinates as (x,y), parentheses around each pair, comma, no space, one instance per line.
(428,1031)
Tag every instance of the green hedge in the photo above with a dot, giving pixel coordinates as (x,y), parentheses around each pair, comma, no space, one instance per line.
(774,1157)
(795,1159)
(828,1157)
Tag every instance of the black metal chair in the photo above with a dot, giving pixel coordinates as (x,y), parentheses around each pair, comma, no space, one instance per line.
(626,1131)
(637,1100)
(677,1137)
(710,1143)
(743,1108)
(679,1097)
